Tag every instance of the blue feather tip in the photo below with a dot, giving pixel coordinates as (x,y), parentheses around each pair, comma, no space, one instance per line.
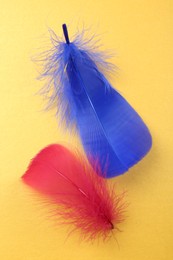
(111,131)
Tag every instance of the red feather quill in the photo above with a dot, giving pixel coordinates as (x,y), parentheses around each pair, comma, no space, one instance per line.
(84,198)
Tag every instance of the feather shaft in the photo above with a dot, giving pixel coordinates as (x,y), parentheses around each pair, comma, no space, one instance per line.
(65,33)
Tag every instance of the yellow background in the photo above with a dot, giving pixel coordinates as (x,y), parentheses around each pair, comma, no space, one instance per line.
(140,32)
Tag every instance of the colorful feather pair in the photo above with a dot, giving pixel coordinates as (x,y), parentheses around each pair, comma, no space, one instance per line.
(83,198)
(111,132)
(113,135)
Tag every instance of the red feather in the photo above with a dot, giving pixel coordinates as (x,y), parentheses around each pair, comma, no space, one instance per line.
(68,180)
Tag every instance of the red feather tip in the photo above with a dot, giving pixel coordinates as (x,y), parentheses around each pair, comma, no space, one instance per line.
(84,198)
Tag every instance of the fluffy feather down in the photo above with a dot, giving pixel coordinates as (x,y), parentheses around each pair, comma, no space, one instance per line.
(85,199)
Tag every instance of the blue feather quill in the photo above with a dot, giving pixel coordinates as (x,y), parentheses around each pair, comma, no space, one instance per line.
(111,131)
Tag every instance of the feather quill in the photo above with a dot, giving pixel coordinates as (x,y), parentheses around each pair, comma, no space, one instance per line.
(85,199)
(111,131)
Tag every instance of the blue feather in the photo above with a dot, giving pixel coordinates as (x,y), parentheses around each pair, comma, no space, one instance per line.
(110,129)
